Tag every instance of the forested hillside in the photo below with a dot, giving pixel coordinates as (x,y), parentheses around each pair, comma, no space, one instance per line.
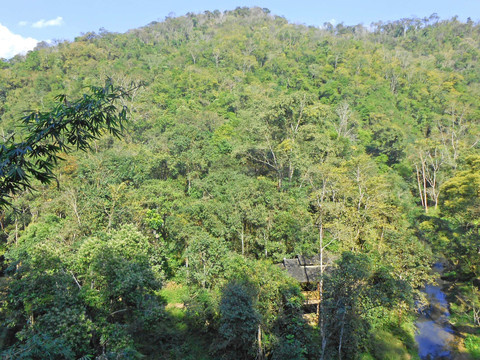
(249,140)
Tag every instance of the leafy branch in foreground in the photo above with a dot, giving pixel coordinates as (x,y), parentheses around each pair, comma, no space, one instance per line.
(69,125)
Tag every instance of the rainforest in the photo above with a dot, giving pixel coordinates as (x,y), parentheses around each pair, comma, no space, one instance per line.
(247,143)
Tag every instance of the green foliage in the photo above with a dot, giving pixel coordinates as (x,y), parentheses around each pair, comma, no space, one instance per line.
(84,300)
(122,265)
(238,322)
(206,260)
(251,140)
(462,193)
(353,289)
(472,344)
(39,346)
(386,346)
(69,124)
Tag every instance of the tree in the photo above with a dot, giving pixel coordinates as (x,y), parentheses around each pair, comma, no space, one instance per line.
(355,287)
(273,138)
(97,300)
(429,162)
(460,206)
(462,194)
(69,125)
(238,324)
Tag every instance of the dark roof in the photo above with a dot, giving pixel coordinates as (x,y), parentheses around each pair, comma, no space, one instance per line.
(305,269)
(328,259)
(313,260)
(295,270)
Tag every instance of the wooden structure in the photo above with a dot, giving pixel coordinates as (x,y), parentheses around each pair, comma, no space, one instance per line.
(307,271)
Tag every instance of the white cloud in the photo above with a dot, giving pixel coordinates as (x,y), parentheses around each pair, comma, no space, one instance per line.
(44,23)
(23,23)
(12,44)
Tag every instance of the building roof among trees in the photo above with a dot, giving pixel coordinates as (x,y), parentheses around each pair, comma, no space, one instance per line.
(305,269)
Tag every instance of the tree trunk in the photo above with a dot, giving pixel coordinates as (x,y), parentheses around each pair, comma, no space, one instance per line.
(342,328)
(16,231)
(204,272)
(266,243)
(420,191)
(259,340)
(320,283)
(242,237)
(320,306)
(424,175)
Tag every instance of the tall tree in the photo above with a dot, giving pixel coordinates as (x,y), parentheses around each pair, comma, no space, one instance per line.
(69,125)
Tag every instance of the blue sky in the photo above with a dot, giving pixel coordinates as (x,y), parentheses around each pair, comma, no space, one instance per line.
(24,22)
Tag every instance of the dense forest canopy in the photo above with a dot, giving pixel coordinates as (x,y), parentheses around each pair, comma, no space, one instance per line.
(250,140)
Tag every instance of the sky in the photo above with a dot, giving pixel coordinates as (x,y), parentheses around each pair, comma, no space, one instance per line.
(23,23)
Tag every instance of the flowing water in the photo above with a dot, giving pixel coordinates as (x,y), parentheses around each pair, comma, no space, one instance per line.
(434,332)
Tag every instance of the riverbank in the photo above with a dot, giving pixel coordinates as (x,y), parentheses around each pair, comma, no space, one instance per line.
(467,335)
(460,296)
(439,333)
(459,351)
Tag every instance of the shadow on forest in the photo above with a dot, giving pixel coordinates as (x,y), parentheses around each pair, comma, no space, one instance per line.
(395,344)
(465,329)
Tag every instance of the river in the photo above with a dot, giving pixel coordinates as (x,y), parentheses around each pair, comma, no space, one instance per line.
(435,335)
